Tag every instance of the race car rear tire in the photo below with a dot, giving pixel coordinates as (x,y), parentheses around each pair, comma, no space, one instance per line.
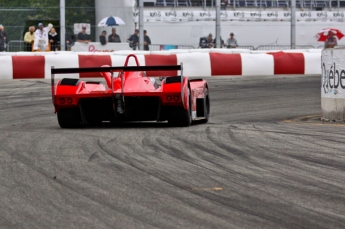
(69,118)
(207,107)
(181,117)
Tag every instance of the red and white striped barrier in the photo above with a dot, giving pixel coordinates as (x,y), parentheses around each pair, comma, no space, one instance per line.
(199,64)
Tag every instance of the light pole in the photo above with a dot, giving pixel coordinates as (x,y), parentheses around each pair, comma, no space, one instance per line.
(218,24)
(62,25)
(293,24)
(141,25)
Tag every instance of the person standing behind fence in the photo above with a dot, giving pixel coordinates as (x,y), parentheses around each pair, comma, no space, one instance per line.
(3,39)
(206,42)
(133,40)
(103,38)
(331,40)
(69,41)
(147,41)
(113,37)
(41,37)
(29,38)
(83,37)
(231,42)
(54,40)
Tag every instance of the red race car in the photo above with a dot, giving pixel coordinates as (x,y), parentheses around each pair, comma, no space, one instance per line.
(129,95)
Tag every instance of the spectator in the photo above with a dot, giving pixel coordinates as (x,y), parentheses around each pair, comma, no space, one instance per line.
(147,41)
(231,42)
(223,4)
(54,40)
(103,38)
(207,42)
(196,2)
(113,37)
(29,38)
(3,39)
(331,40)
(133,40)
(83,37)
(41,37)
(69,41)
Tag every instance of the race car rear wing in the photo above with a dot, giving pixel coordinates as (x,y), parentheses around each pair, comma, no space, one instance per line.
(116,69)
(121,69)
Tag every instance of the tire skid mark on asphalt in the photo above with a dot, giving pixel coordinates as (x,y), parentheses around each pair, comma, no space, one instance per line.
(76,190)
(302,181)
(277,183)
(300,174)
(288,136)
(212,198)
(158,176)
(19,90)
(191,160)
(140,167)
(19,158)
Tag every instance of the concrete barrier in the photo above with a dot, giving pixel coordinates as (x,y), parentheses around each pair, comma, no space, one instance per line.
(6,70)
(198,62)
(333,85)
(61,61)
(261,64)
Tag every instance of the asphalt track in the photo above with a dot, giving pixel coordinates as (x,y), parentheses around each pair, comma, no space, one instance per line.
(252,166)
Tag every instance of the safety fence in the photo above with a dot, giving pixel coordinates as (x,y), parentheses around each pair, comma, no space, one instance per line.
(15,46)
(250,47)
(20,46)
(156,47)
(283,47)
(303,4)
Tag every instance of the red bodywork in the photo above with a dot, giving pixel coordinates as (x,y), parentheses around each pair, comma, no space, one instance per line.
(129,96)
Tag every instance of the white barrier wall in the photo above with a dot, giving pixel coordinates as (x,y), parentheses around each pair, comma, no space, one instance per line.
(333,84)
(252,65)
(61,61)
(196,62)
(6,71)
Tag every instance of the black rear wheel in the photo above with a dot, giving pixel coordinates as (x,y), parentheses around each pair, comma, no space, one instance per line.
(180,116)
(207,107)
(69,118)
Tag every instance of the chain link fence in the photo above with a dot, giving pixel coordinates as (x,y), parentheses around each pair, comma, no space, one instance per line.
(158,47)
(17,16)
(283,47)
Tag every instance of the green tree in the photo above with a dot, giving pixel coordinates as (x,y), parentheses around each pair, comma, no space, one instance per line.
(17,15)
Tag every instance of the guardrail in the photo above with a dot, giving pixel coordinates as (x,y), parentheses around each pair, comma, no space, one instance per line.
(157,47)
(250,47)
(20,46)
(15,46)
(283,47)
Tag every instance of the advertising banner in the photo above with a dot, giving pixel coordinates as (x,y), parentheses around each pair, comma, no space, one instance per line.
(333,73)
(225,15)
(97,47)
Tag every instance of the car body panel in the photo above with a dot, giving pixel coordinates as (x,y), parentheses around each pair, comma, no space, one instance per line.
(126,92)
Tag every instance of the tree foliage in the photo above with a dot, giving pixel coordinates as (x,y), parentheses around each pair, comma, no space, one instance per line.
(17,15)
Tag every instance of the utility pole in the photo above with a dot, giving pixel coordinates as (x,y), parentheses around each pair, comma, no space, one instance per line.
(218,42)
(62,25)
(141,24)
(293,24)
